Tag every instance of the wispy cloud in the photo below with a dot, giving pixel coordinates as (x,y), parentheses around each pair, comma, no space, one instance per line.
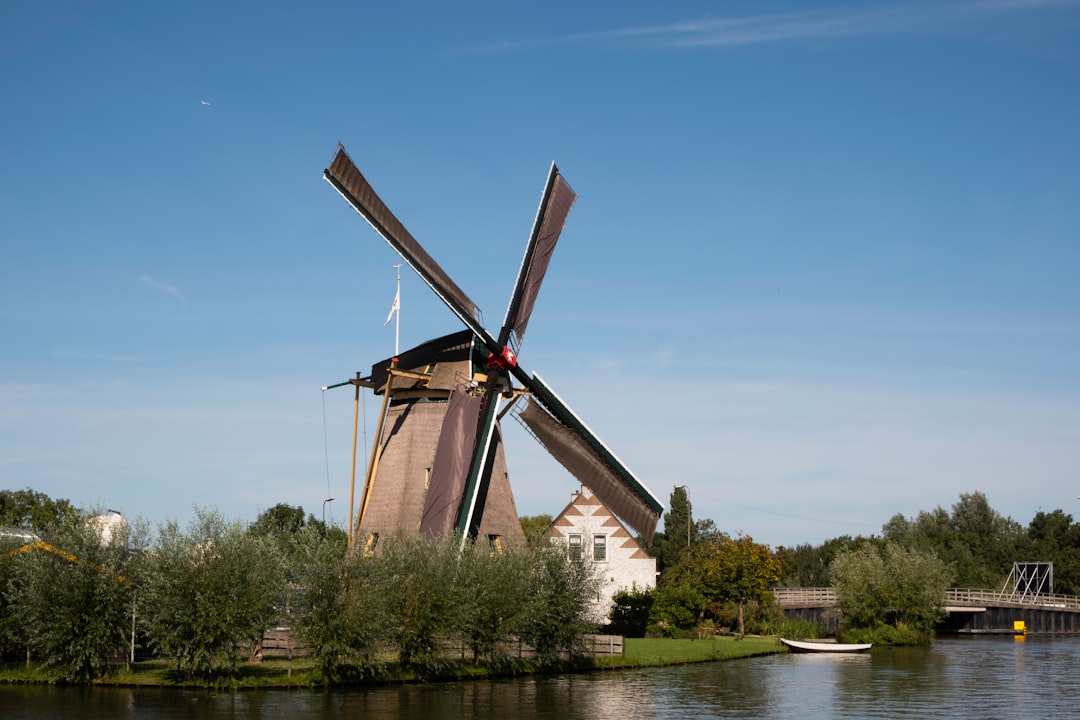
(162,287)
(835,22)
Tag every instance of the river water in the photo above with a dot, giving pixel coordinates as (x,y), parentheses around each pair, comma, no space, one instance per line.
(1000,678)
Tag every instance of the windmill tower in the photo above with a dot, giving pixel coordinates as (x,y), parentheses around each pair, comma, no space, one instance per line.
(438,463)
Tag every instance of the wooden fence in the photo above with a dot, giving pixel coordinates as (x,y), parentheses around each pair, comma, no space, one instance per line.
(280,642)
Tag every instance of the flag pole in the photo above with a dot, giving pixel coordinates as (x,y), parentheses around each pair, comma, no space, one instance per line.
(397,323)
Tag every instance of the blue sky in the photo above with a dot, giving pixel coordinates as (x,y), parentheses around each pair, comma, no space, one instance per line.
(822,269)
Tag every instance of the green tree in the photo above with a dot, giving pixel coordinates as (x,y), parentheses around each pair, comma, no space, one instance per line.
(555,616)
(991,539)
(678,607)
(496,594)
(35,511)
(282,521)
(975,539)
(740,571)
(1054,537)
(889,585)
(416,578)
(535,527)
(630,611)
(671,545)
(71,601)
(338,611)
(211,593)
(808,565)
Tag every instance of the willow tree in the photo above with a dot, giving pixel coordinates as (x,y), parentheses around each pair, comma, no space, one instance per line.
(890,586)
(71,601)
(211,592)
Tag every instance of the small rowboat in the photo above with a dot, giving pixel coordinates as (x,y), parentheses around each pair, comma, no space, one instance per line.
(803,646)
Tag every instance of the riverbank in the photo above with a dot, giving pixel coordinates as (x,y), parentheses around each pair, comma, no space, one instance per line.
(302,673)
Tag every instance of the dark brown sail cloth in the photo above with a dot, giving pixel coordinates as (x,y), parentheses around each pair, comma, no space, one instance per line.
(575,454)
(352,185)
(450,469)
(550,219)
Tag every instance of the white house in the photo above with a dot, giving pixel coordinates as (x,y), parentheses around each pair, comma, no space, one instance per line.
(590,531)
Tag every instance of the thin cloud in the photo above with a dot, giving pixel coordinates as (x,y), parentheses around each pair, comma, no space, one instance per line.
(805,25)
(162,287)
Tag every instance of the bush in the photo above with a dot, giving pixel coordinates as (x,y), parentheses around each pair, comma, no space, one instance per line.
(630,613)
(72,602)
(892,585)
(211,593)
(336,606)
(677,607)
(555,618)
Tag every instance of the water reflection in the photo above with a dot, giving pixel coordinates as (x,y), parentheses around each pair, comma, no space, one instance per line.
(957,678)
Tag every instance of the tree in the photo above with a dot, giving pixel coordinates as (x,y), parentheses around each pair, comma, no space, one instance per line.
(1054,537)
(678,535)
(71,600)
(890,585)
(35,511)
(534,527)
(415,578)
(555,616)
(807,565)
(991,540)
(975,539)
(739,571)
(678,607)
(630,611)
(338,613)
(282,521)
(212,591)
(495,600)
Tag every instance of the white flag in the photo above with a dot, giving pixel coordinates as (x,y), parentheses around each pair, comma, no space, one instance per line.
(396,307)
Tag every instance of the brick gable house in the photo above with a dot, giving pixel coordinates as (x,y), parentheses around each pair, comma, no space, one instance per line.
(590,531)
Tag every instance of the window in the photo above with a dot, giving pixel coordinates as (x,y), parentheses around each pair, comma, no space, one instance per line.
(495,544)
(372,543)
(575,546)
(599,548)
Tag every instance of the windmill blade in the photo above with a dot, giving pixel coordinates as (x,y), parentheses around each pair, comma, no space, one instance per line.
(551,216)
(584,455)
(343,174)
(555,204)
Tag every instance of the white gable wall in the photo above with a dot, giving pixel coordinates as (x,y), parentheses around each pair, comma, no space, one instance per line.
(624,564)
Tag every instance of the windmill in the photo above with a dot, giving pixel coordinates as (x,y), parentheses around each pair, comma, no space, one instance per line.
(438,464)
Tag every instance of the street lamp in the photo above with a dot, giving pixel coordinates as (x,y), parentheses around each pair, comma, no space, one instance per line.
(329,499)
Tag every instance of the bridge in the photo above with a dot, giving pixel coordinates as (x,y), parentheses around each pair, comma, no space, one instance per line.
(967,611)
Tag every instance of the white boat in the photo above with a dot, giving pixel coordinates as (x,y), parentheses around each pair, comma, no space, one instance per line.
(820,646)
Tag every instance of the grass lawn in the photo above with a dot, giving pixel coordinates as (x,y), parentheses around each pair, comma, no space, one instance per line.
(663,651)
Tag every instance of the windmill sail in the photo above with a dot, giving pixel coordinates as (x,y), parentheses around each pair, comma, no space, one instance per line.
(354,187)
(453,455)
(551,216)
(555,205)
(584,455)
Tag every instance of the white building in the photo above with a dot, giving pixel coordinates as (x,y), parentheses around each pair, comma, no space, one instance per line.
(590,531)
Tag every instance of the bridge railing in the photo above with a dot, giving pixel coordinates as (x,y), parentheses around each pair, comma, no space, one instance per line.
(972,596)
(827,597)
(805,597)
